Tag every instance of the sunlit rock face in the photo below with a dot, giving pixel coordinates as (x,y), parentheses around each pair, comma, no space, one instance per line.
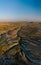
(9,44)
(7,41)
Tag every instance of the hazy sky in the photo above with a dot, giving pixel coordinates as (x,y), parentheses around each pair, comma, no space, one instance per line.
(20,9)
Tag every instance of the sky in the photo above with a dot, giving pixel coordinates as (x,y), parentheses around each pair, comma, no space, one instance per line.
(18,10)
